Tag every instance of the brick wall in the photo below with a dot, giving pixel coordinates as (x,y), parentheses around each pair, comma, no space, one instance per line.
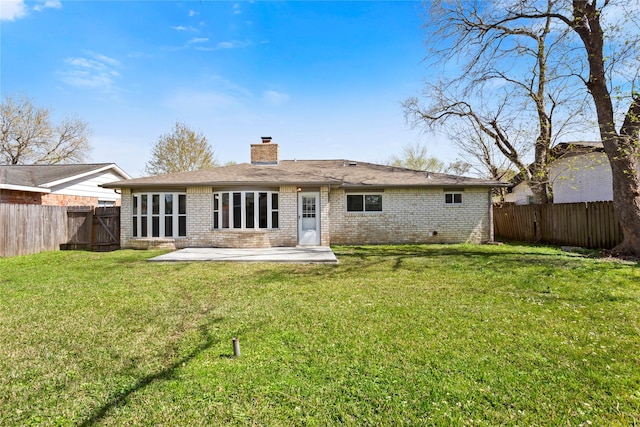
(411,216)
(325,212)
(199,217)
(48,199)
(288,213)
(67,200)
(200,232)
(264,153)
(126,218)
(20,197)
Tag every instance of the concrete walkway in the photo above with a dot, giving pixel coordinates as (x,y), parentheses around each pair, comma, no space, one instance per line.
(300,254)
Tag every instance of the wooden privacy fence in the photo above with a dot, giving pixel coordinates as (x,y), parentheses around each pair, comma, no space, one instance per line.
(589,225)
(29,229)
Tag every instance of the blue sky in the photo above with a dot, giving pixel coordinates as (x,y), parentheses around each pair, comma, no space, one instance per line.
(324,79)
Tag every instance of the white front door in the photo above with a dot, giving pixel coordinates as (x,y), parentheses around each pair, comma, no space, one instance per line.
(308,219)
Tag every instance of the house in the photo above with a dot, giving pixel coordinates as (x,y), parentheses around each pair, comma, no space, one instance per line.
(579,172)
(520,193)
(60,185)
(272,202)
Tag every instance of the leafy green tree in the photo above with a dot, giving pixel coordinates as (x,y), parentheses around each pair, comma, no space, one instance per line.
(27,135)
(181,150)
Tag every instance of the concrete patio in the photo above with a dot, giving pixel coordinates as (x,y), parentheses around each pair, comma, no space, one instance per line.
(299,254)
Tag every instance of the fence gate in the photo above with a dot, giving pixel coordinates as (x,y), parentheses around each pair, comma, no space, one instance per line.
(106,229)
(96,229)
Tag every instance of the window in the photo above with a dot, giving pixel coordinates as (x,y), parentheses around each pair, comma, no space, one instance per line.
(364,203)
(159,215)
(245,210)
(453,198)
(308,207)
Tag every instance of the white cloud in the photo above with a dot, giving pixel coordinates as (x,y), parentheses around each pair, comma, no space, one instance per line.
(48,4)
(236,9)
(198,40)
(105,59)
(193,13)
(93,71)
(12,10)
(234,44)
(275,98)
(181,28)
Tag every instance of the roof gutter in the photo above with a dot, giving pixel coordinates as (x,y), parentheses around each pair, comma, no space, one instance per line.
(24,188)
(123,184)
(435,185)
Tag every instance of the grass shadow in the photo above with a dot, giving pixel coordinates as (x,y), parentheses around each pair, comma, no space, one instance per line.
(119,397)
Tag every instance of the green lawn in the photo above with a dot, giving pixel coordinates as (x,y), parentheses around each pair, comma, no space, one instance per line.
(396,335)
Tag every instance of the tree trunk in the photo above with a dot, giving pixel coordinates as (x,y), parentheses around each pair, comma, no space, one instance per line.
(626,200)
(539,190)
(623,149)
(540,168)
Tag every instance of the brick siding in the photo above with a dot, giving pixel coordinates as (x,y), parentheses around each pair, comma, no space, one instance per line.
(20,197)
(264,153)
(200,232)
(48,199)
(412,216)
(67,200)
(409,216)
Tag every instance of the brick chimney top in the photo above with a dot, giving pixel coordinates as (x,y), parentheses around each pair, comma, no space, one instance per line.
(266,153)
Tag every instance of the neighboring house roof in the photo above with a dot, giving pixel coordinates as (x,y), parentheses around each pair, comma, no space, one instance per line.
(563,150)
(345,173)
(570,149)
(40,178)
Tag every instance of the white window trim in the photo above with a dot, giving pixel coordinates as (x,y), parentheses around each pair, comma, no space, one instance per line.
(175,215)
(364,210)
(243,210)
(453,193)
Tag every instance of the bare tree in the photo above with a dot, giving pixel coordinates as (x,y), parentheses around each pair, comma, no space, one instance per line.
(511,86)
(27,135)
(482,155)
(608,64)
(179,151)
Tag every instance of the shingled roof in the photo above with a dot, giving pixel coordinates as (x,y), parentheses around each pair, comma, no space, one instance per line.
(39,177)
(343,173)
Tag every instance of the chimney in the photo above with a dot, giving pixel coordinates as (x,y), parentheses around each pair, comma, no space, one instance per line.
(265,153)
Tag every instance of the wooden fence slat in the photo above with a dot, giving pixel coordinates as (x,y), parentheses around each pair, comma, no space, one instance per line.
(591,225)
(29,229)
